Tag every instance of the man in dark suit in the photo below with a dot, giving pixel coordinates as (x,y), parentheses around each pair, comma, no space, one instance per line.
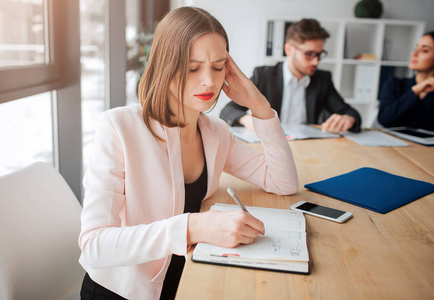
(296,89)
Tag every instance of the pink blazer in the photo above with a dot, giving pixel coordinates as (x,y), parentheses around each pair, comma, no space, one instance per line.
(132,218)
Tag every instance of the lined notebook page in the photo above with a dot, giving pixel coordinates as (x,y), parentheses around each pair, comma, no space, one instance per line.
(274,245)
(271,217)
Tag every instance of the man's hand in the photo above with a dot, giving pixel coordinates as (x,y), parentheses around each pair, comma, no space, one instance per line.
(337,123)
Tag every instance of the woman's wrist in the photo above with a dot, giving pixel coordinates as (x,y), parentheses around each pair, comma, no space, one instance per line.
(195,229)
(262,111)
(416,90)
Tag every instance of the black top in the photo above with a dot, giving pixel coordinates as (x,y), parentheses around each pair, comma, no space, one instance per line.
(194,194)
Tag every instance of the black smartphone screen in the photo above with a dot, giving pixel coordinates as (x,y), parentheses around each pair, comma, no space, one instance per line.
(321,210)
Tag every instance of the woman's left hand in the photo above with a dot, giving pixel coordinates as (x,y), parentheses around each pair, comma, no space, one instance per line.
(424,87)
(241,89)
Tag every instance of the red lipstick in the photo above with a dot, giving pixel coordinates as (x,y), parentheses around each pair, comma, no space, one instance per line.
(205,96)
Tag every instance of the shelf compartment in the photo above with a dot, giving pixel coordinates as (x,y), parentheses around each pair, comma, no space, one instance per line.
(331,45)
(358,82)
(399,41)
(360,37)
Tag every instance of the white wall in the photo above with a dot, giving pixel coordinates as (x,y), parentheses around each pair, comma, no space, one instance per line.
(245,21)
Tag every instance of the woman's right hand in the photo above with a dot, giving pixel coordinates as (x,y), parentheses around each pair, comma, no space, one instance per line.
(225,229)
(424,87)
(241,90)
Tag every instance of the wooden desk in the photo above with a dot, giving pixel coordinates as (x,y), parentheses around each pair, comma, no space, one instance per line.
(371,256)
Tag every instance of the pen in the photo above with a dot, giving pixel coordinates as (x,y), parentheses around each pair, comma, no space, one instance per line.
(231,192)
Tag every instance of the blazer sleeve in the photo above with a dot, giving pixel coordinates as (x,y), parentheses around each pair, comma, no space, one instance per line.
(104,240)
(336,104)
(394,103)
(274,170)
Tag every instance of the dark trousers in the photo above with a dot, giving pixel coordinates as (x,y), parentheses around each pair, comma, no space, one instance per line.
(90,290)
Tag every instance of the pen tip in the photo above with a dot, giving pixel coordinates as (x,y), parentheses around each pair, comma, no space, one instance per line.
(229,190)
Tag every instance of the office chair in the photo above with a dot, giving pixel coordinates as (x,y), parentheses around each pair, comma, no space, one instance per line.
(39,228)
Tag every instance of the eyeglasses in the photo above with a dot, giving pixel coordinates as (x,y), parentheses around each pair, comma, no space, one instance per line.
(311,54)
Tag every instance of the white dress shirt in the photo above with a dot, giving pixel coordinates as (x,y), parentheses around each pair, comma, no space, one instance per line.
(293,109)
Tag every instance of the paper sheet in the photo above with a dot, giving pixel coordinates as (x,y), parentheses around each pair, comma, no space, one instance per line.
(292,131)
(302,131)
(375,138)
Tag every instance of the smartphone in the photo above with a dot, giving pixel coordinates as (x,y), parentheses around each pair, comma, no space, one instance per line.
(321,211)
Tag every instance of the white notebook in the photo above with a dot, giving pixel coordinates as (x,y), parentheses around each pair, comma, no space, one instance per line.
(283,247)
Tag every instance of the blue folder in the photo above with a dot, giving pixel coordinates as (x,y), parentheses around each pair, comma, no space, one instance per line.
(373,189)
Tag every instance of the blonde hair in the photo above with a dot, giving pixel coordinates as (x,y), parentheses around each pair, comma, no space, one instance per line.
(170,53)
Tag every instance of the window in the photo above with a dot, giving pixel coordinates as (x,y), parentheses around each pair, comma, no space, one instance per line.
(39,89)
(92,36)
(133,27)
(101,26)
(29,53)
(43,53)
(28,65)
(27,126)
(22,35)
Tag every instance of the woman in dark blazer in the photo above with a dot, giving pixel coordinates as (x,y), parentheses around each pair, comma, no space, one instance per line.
(410,101)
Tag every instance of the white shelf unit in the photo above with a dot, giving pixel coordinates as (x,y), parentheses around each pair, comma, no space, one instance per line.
(358,81)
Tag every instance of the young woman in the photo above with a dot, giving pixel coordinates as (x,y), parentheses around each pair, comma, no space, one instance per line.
(153,164)
(410,101)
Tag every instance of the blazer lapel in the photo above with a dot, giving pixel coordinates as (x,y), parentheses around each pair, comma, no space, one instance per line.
(310,102)
(172,136)
(210,144)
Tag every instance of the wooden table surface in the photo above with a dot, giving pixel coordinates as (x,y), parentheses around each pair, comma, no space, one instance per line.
(371,256)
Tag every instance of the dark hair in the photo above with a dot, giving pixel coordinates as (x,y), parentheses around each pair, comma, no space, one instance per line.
(170,54)
(306,30)
(430,33)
